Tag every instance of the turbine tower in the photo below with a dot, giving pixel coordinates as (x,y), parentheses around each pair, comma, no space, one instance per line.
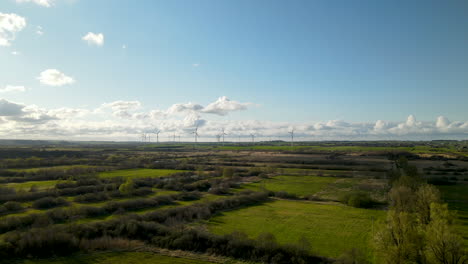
(195,133)
(292,137)
(223,134)
(157,135)
(253,137)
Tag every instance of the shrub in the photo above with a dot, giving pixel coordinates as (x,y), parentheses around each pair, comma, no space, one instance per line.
(358,199)
(49,202)
(13,206)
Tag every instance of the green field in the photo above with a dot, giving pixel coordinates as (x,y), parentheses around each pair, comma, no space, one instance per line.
(41,185)
(115,258)
(457,198)
(138,173)
(330,228)
(64,167)
(298,185)
(415,149)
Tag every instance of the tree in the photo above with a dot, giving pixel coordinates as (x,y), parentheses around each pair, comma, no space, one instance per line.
(443,245)
(402,199)
(128,187)
(425,196)
(398,239)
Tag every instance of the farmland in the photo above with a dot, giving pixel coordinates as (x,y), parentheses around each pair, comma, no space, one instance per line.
(212,203)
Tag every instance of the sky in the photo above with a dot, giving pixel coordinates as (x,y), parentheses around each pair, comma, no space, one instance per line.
(344,70)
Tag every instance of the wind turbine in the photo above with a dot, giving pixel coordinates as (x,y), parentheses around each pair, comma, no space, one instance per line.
(218,138)
(195,132)
(174,136)
(157,135)
(292,137)
(223,134)
(253,137)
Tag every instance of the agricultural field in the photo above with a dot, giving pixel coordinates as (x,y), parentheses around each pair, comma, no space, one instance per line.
(212,204)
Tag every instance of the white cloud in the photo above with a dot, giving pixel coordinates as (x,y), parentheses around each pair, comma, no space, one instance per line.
(125,120)
(10,24)
(122,109)
(12,88)
(124,46)
(442,122)
(181,108)
(223,106)
(54,77)
(45,3)
(94,39)
(196,64)
(15,53)
(39,31)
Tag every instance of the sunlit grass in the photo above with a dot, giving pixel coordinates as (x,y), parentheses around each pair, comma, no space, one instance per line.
(330,228)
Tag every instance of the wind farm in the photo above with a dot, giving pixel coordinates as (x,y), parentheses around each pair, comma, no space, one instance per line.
(233,132)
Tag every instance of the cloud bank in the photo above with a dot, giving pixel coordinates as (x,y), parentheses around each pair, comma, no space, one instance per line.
(126,120)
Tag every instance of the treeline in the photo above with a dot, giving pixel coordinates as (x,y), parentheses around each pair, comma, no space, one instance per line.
(162,228)
(9,176)
(418,228)
(62,215)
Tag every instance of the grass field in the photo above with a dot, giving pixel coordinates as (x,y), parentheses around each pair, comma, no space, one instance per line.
(138,173)
(298,185)
(40,185)
(330,228)
(64,167)
(457,198)
(114,258)
(415,149)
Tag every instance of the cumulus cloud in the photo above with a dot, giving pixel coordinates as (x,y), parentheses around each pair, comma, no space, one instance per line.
(94,39)
(54,77)
(12,88)
(223,106)
(442,122)
(10,24)
(44,3)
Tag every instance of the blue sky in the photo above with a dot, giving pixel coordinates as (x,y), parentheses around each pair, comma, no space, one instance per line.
(294,61)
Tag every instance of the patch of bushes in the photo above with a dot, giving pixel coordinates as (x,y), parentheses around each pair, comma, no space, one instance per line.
(49,202)
(358,199)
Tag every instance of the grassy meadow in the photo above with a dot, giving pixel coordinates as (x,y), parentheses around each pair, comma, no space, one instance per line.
(138,173)
(330,228)
(298,185)
(457,198)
